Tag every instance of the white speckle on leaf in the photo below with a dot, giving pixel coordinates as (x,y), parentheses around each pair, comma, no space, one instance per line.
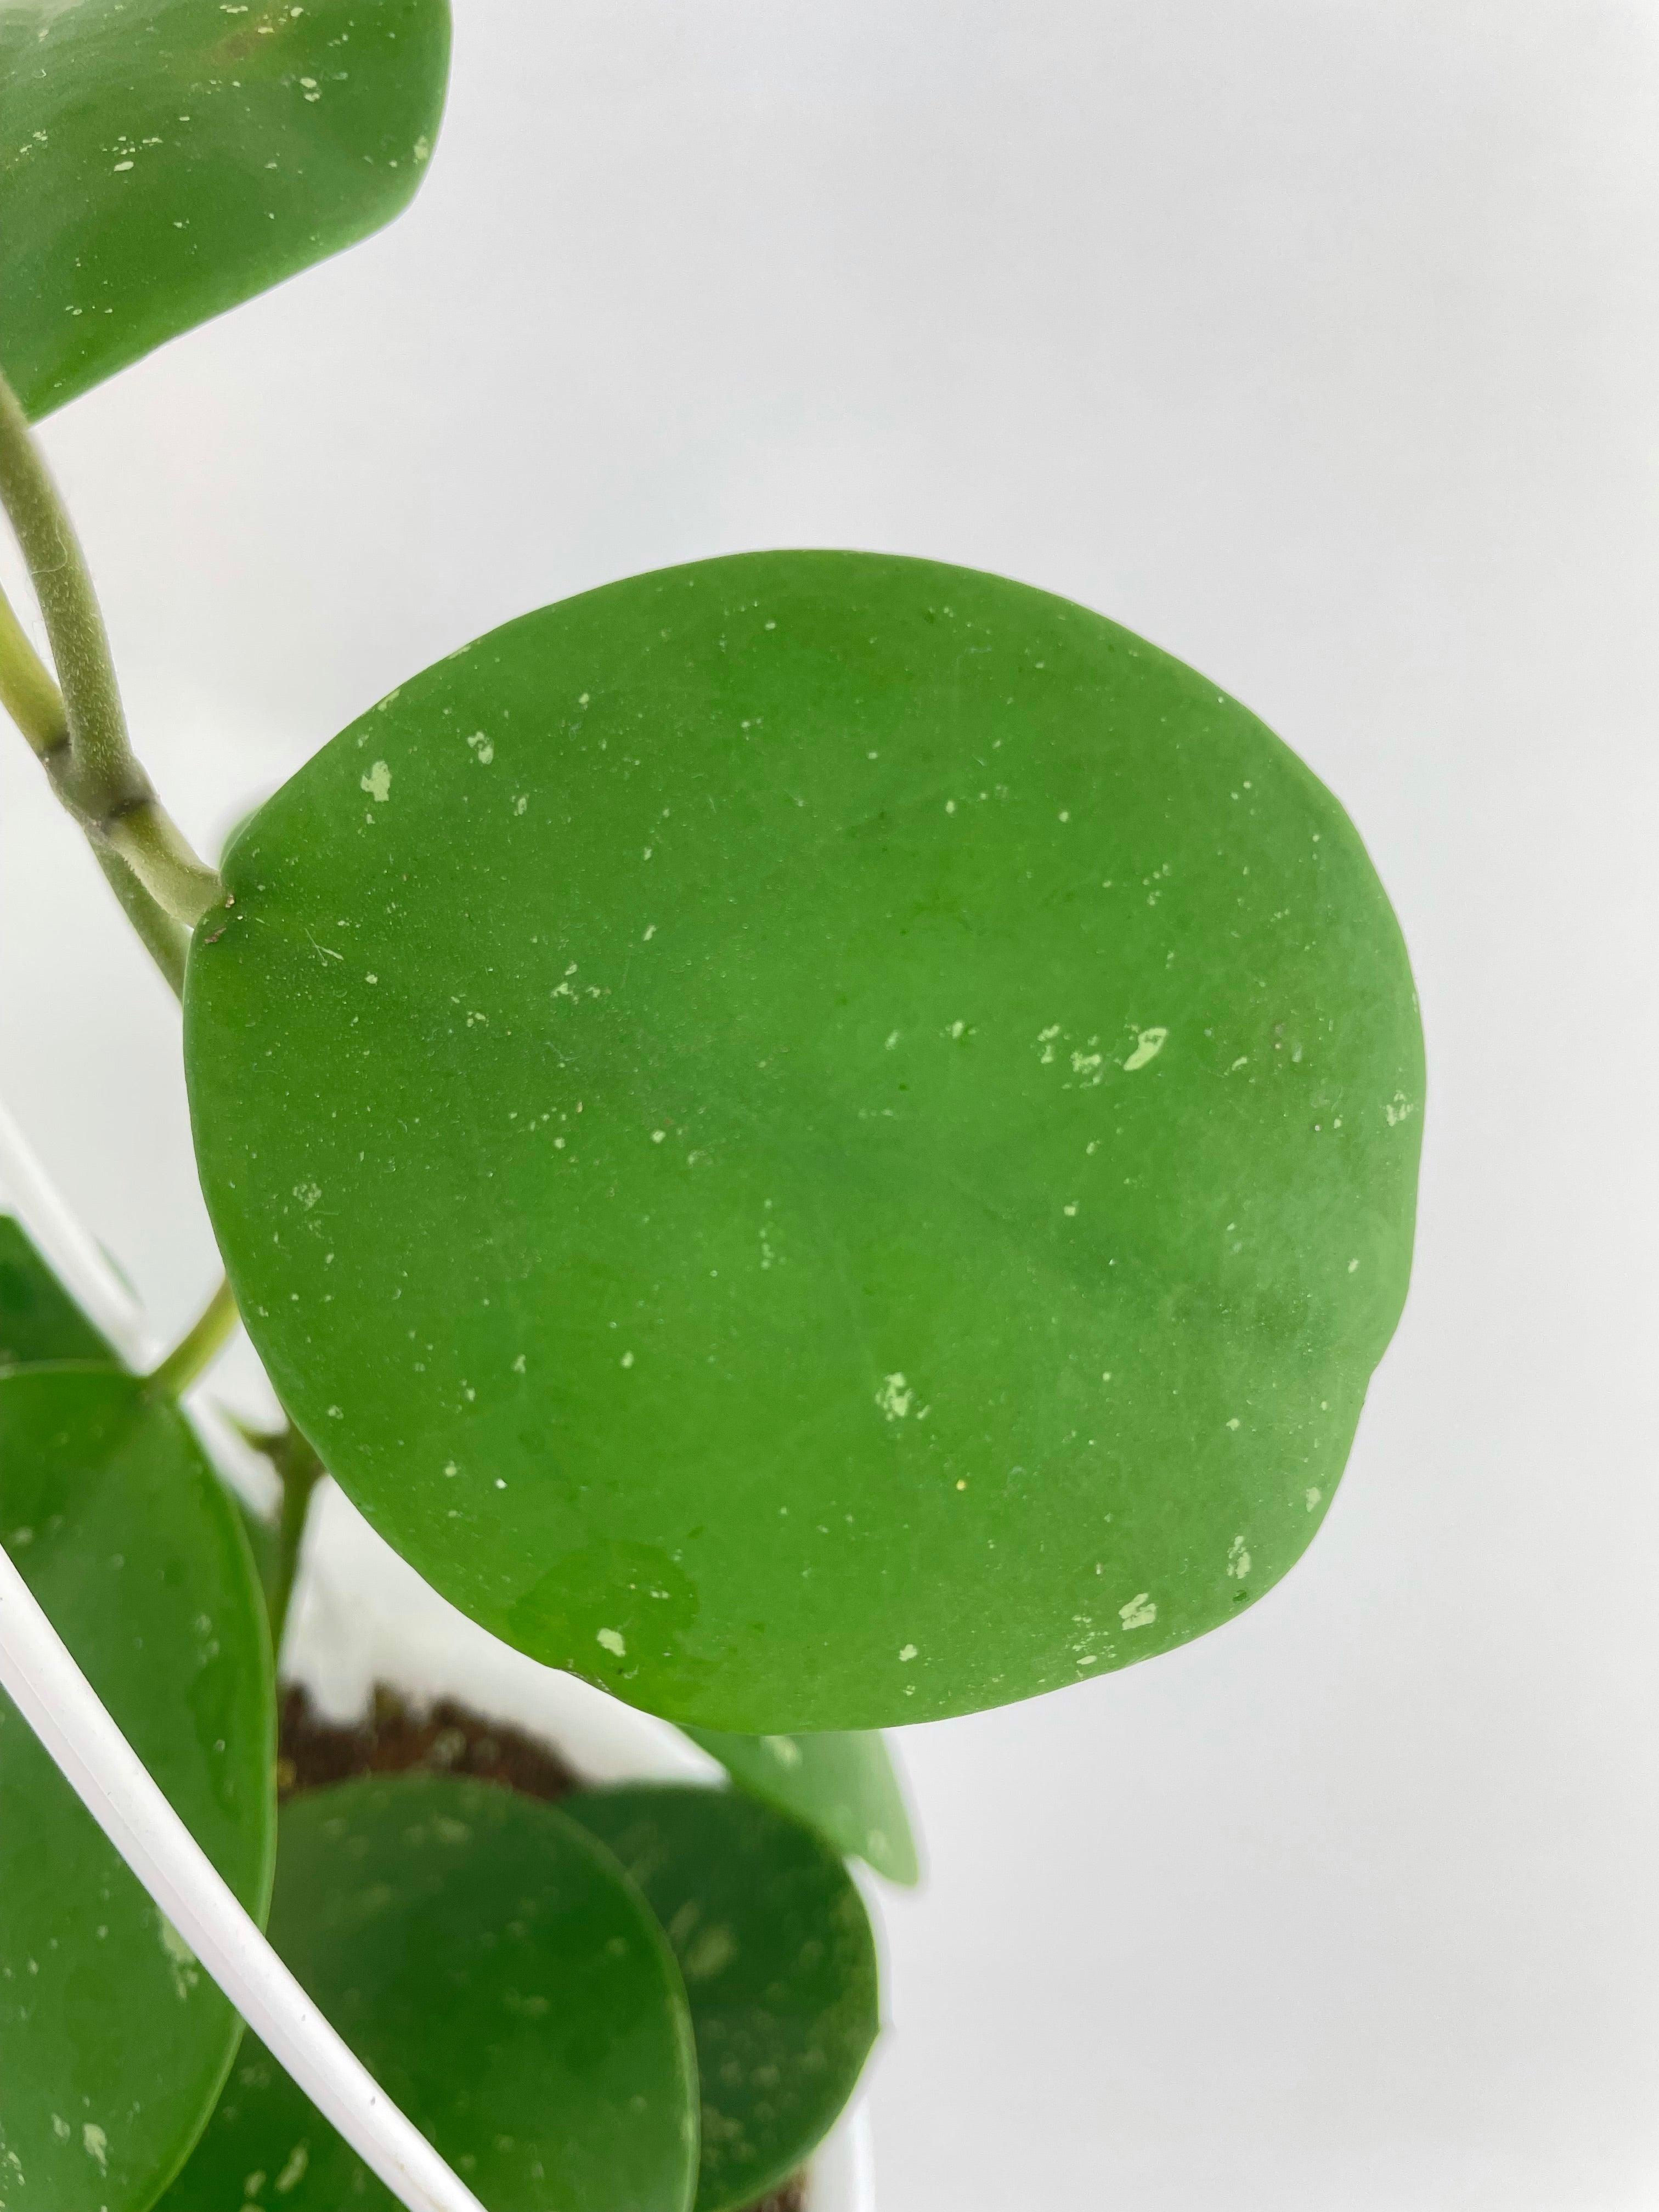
(628,1359)
(377,783)
(895,1397)
(1148,1045)
(783,1748)
(95,2143)
(181,1960)
(294,2172)
(1353,1267)
(614,1642)
(307,1193)
(1238,1560)
(712,1949)
(422,146)
(906,1653)
(1139,1613)
(482,746)
(1233,1424)
(1311,1497)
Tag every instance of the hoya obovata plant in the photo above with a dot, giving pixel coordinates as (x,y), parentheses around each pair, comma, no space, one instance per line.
(820,1140)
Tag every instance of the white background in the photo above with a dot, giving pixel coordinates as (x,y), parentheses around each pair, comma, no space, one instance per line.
(1319,341)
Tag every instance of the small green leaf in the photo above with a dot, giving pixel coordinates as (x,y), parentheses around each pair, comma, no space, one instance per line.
(504,1983)
(780,1968)
(38,1320)
(114,2042)
(843,1785)
(162,159)
(817,1139)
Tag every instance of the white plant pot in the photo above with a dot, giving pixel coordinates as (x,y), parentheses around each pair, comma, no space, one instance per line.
(362,1616)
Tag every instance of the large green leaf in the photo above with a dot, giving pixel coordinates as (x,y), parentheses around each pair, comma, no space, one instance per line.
(818,1138)
(843,1785)
(780,1969)
(162,159)
(503,1982)
(38,1319)
(114,2042)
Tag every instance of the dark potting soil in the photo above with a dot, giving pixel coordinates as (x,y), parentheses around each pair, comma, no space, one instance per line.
(394,1737)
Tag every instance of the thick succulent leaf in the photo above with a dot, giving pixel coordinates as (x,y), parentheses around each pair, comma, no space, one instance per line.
(505,1983)
(780,1968)
(817,1138)
(114,2043)
(38,1319)
(162,159)
(843,1785)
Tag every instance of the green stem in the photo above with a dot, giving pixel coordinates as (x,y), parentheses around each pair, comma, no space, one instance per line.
(36,705)
(26,691)
(165,940)
(87,755)
(199,1346)
(301,1471)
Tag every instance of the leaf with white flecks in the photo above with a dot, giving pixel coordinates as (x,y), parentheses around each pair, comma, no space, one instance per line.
(161,163)
(819,1139)
(502,1980)
(112,2041)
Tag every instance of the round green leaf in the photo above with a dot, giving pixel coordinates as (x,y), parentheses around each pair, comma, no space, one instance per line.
(780,1968)
(162,159)
(505,1984)
(817,1138)
(114,2043)
(38,1319)
(843,1785)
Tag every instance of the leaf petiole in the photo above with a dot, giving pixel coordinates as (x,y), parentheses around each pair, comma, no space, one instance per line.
(27,691)
(301,1471)
(199,1346)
